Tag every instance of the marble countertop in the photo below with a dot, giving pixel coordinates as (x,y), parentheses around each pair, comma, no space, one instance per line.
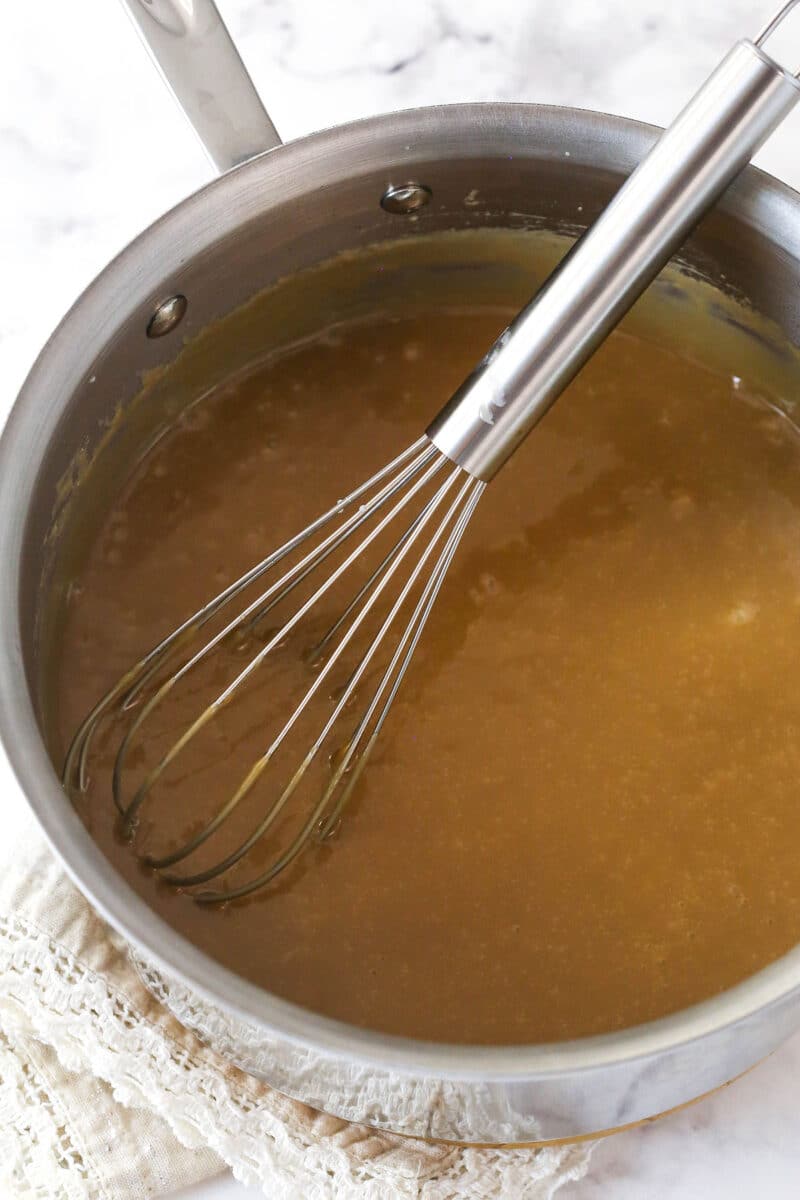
(93,149)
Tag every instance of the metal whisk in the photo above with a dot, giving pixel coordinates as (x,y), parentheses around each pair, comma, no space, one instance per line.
(430,491)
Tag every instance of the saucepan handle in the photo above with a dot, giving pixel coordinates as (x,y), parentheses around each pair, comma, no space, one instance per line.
(195,54)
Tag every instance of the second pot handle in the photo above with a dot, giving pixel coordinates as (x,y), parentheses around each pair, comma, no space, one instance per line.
(195,54)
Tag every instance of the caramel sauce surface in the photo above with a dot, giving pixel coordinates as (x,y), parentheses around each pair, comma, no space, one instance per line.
(582,813)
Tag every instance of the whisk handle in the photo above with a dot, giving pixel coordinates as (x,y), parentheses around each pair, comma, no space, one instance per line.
(596,283)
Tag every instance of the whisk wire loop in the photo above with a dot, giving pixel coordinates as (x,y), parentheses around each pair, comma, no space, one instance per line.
(261,763)
(318,822)
(274,811)
(401,487)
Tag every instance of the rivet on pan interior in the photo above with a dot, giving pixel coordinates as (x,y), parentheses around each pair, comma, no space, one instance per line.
(405,198)
(168,314)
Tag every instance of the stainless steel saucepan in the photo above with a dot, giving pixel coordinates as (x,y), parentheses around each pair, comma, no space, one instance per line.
(276,209)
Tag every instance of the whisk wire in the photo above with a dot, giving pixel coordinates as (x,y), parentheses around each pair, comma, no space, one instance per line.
(409,641)
(317,821)
(130,812)
(381,500)
(131,683)
(261,764)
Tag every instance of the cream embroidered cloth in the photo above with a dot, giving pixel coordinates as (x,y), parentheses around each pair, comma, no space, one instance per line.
(104,1096)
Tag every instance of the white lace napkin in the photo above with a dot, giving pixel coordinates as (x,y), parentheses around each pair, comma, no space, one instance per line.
(104,1096)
